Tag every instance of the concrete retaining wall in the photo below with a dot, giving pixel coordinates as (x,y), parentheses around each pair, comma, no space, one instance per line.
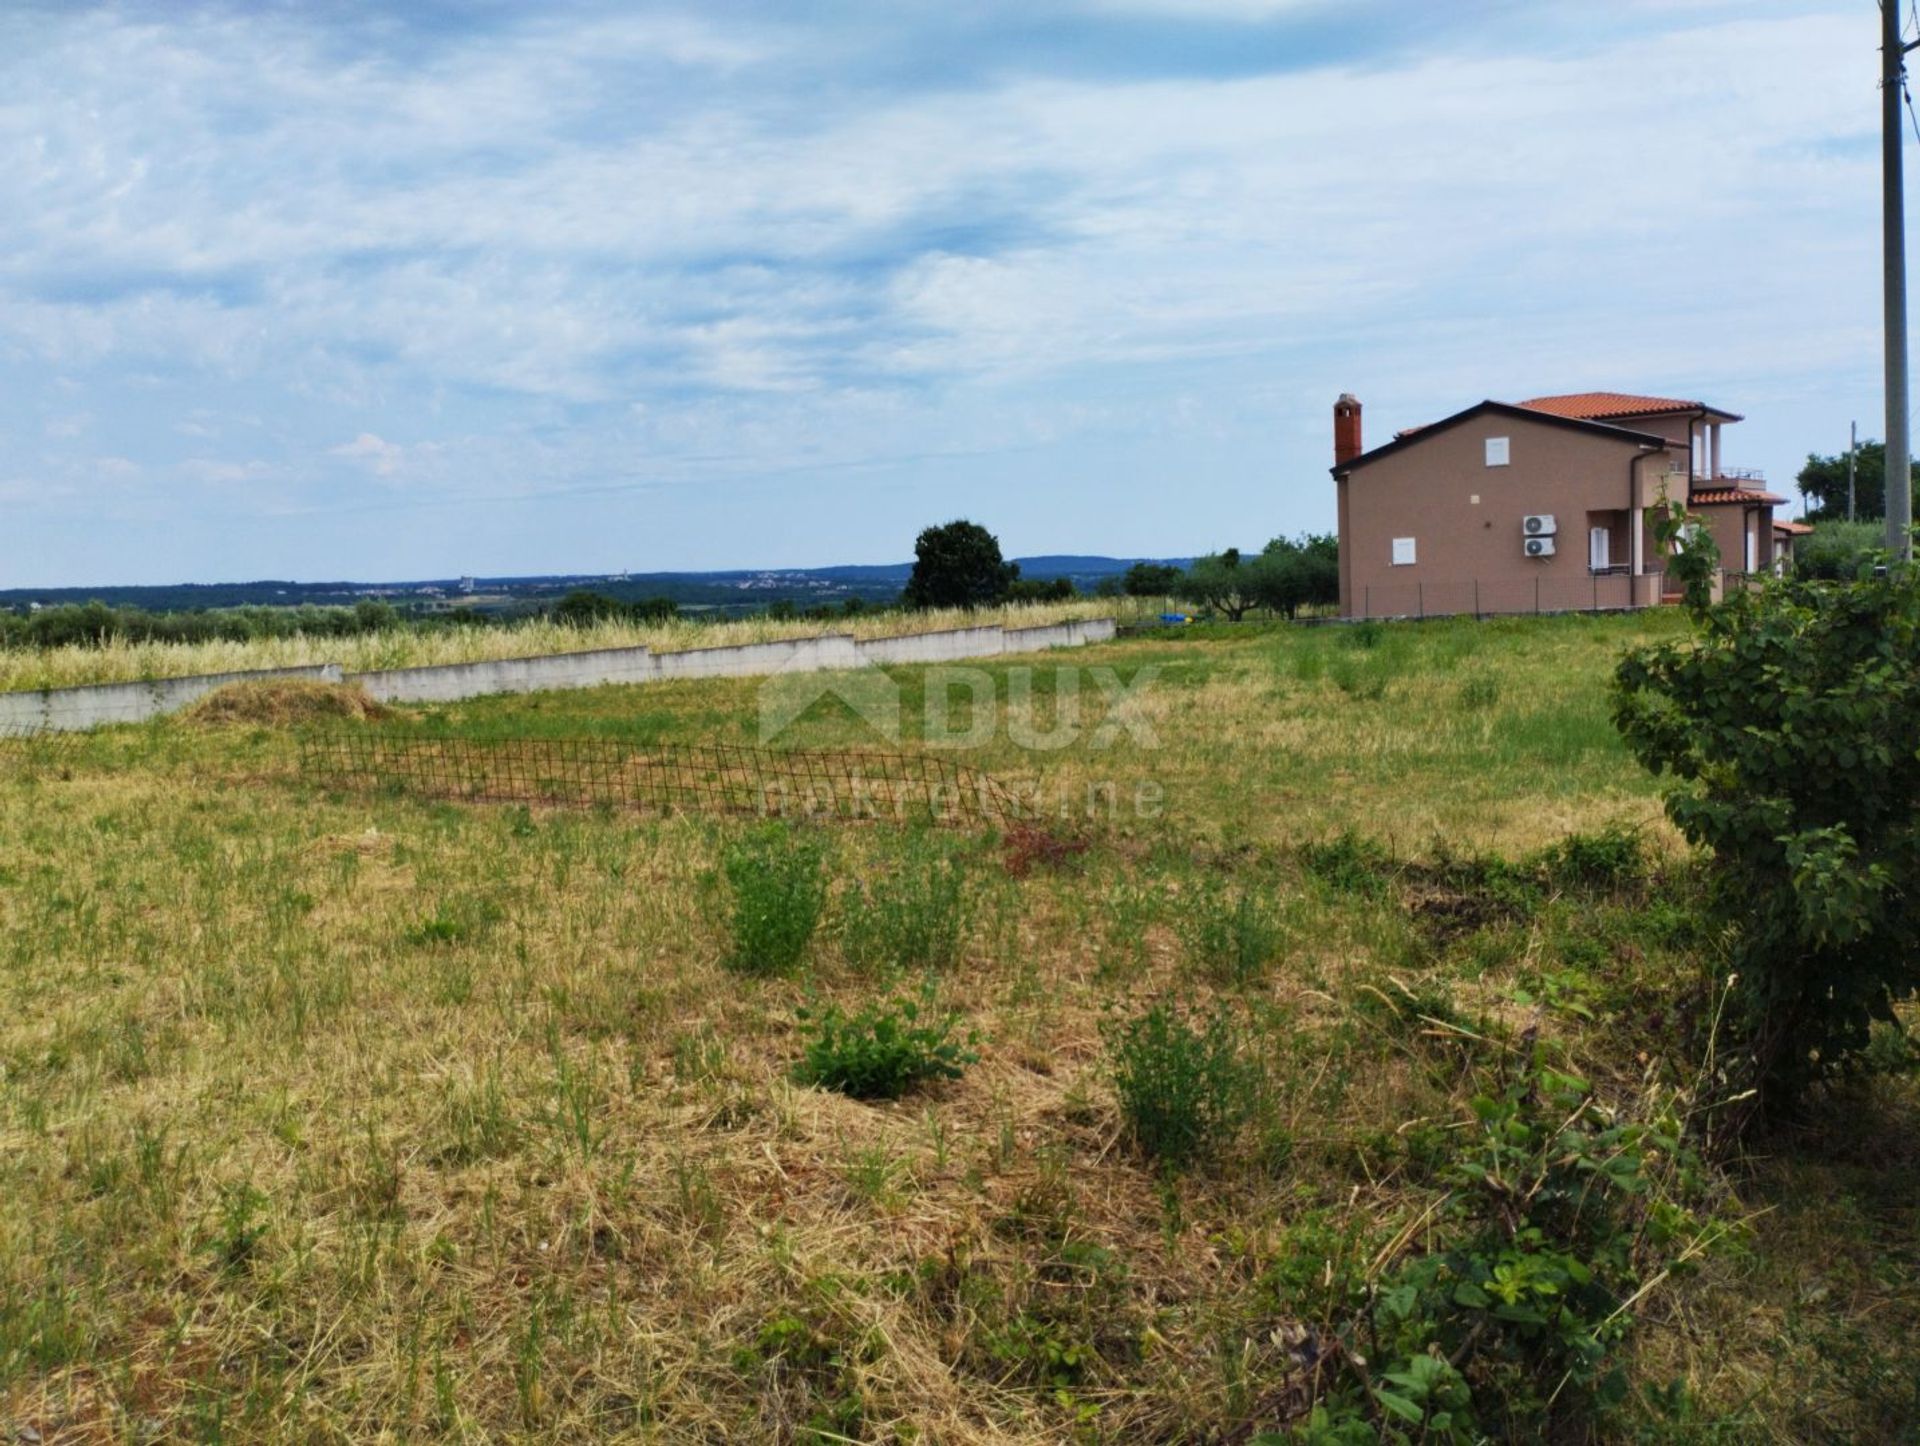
(1032,640)
(942,647)
(91,707)
(451,682)
(791,655)
(67,710)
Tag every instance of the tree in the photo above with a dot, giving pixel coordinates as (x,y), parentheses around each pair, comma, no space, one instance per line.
(1692,555)
(1151,579)
(373,615)
(1224,582)
(958,565)
(583,608)
(1839,550)
(1031,589)
(1823,482)
(1788,725)
(1298,572)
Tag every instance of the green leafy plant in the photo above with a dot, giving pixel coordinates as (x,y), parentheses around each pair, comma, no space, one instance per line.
(1788,726)
(1479,694)
(1611,861)
(1231,935)
(455,921)
(1558,1217)
(1692,555)
(914,917)
(885,1049)
(1185,1088)
(1349,864)
(779,890)
(240,1230)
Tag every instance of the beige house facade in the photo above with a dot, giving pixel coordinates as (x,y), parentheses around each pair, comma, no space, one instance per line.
(1539,506)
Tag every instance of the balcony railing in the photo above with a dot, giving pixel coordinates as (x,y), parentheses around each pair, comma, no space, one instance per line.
(1741,474)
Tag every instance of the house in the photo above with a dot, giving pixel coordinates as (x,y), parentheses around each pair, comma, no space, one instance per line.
(1537,506)
(1786,537)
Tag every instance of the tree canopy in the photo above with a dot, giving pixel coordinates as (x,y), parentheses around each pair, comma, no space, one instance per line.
(1151,579)
(958,565)
(1285,576)
(1787,726)
(1823,482)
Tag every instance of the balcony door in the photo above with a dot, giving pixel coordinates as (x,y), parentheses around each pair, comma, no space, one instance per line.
(1599,548)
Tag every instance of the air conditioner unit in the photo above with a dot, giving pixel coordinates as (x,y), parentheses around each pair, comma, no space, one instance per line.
(1539,524)
(1538,546)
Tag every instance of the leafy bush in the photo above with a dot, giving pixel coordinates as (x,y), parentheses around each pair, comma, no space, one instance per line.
(1510,1322)
(1788,726)
(884,1050)
(1479,694)
(1612,861)
(1184,1090)
(1231,935)
(1839,550)
(913,918)
(1349,864)
(779,889)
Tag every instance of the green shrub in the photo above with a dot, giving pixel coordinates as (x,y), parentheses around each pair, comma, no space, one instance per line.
(912,918)
(1479,694)
(1184,1090)
(1612,861)
(1788,727)
(819,1360)
(1839,550)
(1511,1320)
(884,1050)
(456,921)
(779,889)
(1349,864)
(1231,935)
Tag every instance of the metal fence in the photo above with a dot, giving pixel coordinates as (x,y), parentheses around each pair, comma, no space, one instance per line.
(26,748)
(663,778)
(1594,591)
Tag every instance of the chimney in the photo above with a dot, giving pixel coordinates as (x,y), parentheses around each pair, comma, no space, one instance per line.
(1346,429)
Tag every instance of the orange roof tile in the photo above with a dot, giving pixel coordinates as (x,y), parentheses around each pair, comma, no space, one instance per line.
(1793,529)
(1600,406)
(1720,496)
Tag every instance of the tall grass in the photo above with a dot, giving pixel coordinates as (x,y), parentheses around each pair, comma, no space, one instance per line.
(342,1118)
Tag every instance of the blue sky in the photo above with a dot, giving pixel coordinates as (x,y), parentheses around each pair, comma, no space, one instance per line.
(304,290)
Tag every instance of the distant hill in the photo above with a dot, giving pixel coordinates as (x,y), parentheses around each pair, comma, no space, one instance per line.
(735,590)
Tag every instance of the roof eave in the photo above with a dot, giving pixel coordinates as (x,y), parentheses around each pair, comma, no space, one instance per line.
(1510,409)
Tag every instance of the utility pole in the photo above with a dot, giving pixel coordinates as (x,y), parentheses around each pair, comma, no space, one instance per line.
(1893,76)
(1853,447)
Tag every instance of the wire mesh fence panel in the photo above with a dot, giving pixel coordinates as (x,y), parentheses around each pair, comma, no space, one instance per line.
(24,748)
(661,778)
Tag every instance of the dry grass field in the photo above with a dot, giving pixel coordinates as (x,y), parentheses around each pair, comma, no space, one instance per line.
(350,1117)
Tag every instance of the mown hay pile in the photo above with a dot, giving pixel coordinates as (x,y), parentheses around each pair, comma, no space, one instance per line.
(284,703)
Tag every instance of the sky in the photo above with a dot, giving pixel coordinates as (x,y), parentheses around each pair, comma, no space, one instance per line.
(334,291)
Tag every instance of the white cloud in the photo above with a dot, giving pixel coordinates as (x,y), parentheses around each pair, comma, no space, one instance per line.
(381,457)
(523,234)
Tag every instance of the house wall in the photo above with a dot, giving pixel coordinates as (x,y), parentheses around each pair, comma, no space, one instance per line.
(1346,555)
(1730,525)
(1428,491)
